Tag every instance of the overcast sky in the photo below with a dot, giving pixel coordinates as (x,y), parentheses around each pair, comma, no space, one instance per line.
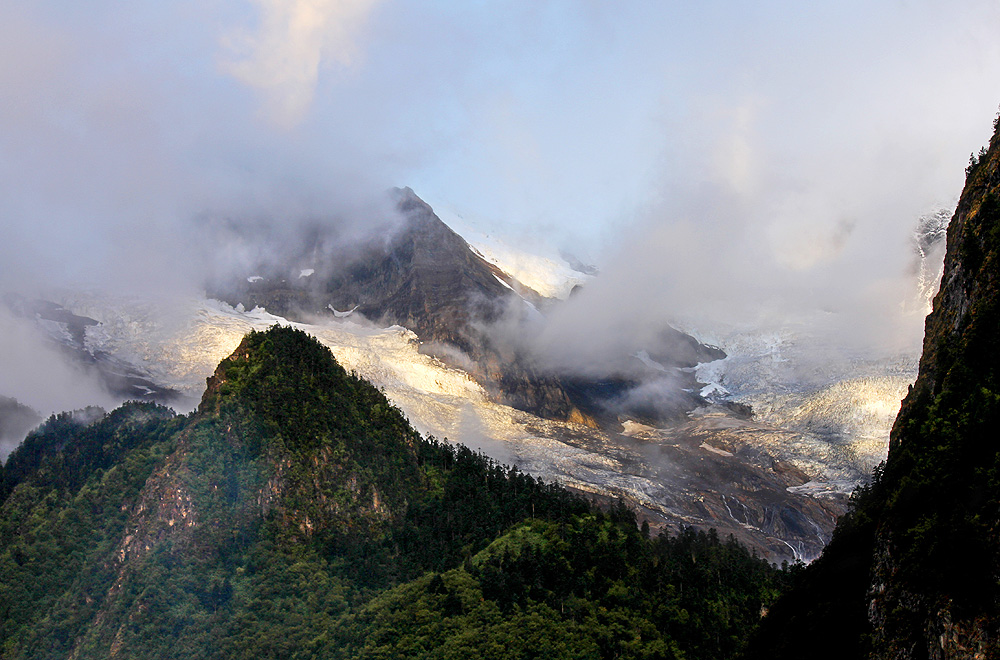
(703,153)
(577,118)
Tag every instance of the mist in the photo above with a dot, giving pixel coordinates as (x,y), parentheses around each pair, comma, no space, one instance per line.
(722,165)
(38,376)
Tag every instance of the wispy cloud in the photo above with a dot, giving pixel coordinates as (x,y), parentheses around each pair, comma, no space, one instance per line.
(294,41)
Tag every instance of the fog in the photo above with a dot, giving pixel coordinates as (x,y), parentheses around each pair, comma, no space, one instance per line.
(40,375)
(728,263)
(728,164)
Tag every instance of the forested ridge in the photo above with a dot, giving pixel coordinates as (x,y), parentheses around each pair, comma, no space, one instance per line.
(296,514)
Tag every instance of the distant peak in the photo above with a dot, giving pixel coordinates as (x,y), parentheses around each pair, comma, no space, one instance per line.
(407,200)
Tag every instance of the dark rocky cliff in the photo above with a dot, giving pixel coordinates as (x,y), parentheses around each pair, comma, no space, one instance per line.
(912,572)
(933,589)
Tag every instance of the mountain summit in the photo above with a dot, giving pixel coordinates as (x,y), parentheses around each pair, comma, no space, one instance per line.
(422,275)
(297,515)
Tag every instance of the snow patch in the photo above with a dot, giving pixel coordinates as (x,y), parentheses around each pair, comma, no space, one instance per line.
(550,275)
(715,450)
(502,282)
(643,357)
(550,278)
(55,329)
(339,314)
(823,489)
(712,374)
(254,278)
(306,272)
(634,428)
(714,391)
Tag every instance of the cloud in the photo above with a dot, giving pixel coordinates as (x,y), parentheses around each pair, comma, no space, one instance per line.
(724,162)
(37,375)
(806,232)
(294,40)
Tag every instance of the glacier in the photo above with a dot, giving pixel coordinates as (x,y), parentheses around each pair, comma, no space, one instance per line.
(788,482)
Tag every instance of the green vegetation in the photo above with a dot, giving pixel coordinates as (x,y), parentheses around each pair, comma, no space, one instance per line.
(298,515)
(591,587)
(62,516)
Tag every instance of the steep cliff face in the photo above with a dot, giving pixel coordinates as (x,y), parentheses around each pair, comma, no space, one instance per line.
(934,583)
(912,572)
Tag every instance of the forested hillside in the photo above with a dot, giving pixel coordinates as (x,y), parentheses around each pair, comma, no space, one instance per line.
(296,514)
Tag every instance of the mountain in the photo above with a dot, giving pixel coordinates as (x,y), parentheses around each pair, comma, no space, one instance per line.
(777,491)
(776,481)
(297,514)
(912,570)
(465,310)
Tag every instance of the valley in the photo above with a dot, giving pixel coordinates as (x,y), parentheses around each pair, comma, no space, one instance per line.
(761,433)
(385,329)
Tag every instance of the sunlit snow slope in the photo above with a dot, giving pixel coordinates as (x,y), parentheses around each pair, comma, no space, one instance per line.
(842,405)
(550,276)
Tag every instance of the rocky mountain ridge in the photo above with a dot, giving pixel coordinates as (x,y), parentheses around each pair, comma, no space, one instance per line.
(466,311)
